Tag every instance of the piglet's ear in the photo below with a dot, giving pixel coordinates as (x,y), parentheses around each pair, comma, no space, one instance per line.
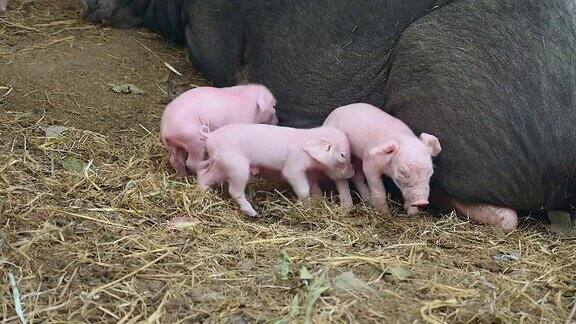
(265,101)
(390,147)
(320,151)
(432,143)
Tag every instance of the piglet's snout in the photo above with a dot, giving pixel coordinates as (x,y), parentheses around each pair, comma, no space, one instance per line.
(420,204)
(417,199)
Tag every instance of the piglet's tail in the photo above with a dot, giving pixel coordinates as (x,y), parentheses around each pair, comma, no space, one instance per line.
(204,132)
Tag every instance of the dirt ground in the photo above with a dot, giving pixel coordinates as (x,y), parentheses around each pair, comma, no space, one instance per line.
(84,213)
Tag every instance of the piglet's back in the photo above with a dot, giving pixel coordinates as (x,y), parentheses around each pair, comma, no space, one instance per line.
(362,116)
(263,145)
(255,140)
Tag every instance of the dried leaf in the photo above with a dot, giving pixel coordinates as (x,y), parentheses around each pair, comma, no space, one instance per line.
(283,266)
(560,222)
(127,88)
(239,318)
(72,164)
(401,272)
(506,256)
(206,297)
(54,131)
(181,222)
(347,281)
(294,309)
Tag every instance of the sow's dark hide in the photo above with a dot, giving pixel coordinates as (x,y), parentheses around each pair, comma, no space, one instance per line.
(494,80)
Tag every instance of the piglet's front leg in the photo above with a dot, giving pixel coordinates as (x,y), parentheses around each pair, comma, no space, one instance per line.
(315,190)
(344,193)
(299,183)
(294,172)
(359,180)
(377,190)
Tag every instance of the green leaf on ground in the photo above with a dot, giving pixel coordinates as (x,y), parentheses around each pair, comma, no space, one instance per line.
(305,274)
(283,266)
(315,290)
(295,309)
(72,164)
(401,272)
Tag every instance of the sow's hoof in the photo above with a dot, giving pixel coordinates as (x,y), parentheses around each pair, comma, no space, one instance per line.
(502,217)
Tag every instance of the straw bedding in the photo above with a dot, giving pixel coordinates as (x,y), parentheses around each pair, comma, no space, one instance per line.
(97,227)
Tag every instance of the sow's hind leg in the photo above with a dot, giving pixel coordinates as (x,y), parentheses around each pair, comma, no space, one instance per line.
(493,215)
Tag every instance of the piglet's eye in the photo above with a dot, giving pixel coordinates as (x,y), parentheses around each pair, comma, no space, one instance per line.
(342,155)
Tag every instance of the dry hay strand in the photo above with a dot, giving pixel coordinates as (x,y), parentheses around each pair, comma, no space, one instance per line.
(84,234)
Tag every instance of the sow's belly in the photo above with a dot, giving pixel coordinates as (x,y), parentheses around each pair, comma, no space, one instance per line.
(515,174)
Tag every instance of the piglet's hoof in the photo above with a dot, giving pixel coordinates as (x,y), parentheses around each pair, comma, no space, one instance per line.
(346,208)
(306,203)
(382,207)
(411,211)
(250,213)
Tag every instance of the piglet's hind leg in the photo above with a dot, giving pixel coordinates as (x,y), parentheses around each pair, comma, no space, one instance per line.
(238,177)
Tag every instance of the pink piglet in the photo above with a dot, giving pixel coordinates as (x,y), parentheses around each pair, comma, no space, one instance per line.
(384,145)
(236,152)
(191,116)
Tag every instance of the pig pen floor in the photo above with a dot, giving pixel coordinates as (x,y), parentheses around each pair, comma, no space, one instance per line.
(84,213)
